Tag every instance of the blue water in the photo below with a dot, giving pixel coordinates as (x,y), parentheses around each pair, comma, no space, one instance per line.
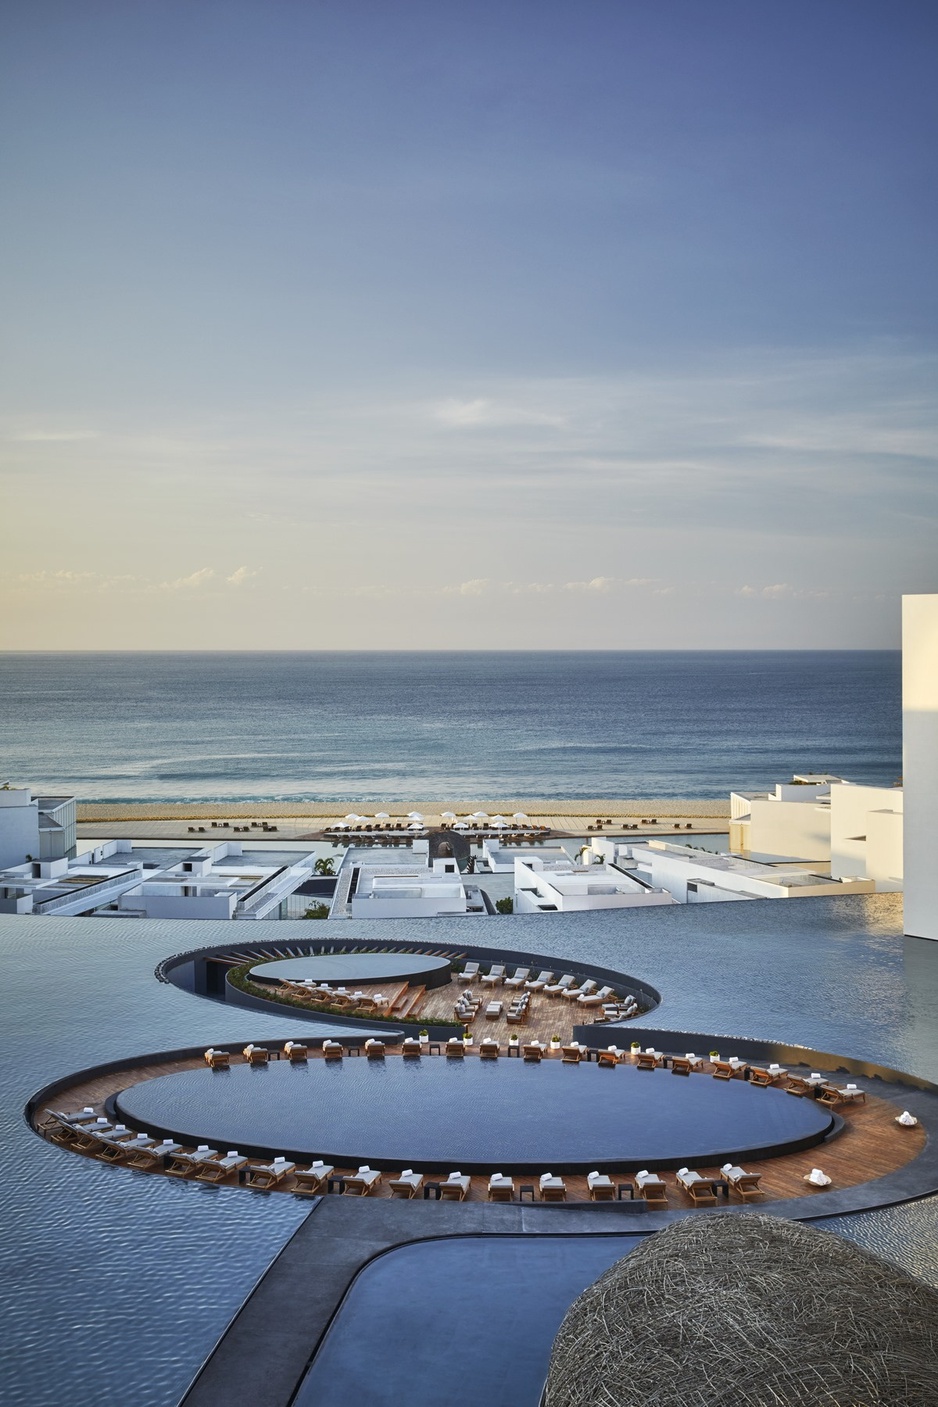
(444,726)
(115,1284)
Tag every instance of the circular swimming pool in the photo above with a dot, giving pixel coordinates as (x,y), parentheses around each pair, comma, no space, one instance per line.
(354,968)
(437,1114)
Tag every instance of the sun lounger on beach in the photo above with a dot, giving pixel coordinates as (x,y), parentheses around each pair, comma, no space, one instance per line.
(407,1185)
(217,1059)
(501,1188)
(701,1190)
(601,1187)
(539,982)
(552,1189)
(311,1180)
(651,1188)
(455,1188)
(220,1168)
(362,1182)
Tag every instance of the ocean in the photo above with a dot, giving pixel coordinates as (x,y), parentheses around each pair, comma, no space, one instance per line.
(441,726)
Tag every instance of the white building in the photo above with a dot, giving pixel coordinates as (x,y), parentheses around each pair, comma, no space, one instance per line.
(35,827)
(553,885)
(792,822)
(866,834)
(385,883)
(499,858)
(693,876)
(67,888)
(216,882)
(920,762)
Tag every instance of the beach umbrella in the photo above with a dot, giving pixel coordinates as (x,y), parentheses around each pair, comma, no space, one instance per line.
(499,825)
(480,815)
(519,816)
(461,826)
(340,826)
(352,818)
(414,816)
(496,819)
(382,816)
(447,815)
(416,826)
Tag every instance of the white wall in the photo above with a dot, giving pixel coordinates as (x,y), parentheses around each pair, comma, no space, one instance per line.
(19,827)
(866,834)
(798,830)
(920,763)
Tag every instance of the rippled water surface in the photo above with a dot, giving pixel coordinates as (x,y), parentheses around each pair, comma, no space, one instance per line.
(440,726)
(116,1284)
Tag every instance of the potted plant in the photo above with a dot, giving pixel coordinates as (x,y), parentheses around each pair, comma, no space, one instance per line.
(513,1040)
(424,1037)
(467,1037)
(555,1042)
(714,1055)
(636,1047)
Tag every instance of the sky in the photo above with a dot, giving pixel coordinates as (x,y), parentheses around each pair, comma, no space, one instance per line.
(353,325)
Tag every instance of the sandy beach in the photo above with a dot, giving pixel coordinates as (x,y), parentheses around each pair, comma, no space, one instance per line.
(294,819)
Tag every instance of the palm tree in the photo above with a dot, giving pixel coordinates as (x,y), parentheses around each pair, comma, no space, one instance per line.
(325,865)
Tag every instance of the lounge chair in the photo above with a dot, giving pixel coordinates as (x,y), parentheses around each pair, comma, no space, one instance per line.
(745,1184)
(495,974)
(586,989)
(552,1189)
(520,977)
(650,1187)
(374,1049)
(362,1182)
(601,1187)
(407,1185)
(539,982)
(533,1051)
(455,1047)
(501,1188)
(850,1094)
(256,1054)
(117,1149)
(410,1046)
(556,989)
(295,1053)
(759,1075)
(332,1050)
(219,1169)
(571,1054)
(701,1190)
(265,1175)
(469,973)
(590,999)
(680,1065)
(517,1015)
(647,1060)
(455,1188)
(799,1086)
(311,1180)
(489,1050)
(217,1059)
(153,1157)
(183,1164)
(723,1070)
(608,1058)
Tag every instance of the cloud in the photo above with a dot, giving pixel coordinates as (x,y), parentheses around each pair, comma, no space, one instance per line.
(485,412)
(54,436)
(241,575)
(189,583)
(782,591)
